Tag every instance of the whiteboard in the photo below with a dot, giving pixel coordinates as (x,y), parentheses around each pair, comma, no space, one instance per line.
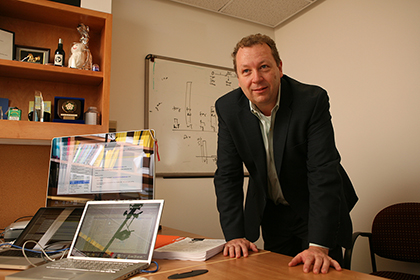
(179,101)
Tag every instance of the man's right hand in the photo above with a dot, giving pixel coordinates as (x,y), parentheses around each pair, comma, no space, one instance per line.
(236,248)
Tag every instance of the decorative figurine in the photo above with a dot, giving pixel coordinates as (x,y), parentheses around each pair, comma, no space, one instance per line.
(80,57)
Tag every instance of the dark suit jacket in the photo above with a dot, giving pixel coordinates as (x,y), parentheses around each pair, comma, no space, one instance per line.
(307,162)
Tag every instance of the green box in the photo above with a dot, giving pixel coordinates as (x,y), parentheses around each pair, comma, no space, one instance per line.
(14,114)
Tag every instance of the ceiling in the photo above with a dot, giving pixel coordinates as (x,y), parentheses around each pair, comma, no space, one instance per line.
(266,12)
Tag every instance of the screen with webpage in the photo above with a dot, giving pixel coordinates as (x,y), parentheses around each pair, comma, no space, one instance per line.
(118,165)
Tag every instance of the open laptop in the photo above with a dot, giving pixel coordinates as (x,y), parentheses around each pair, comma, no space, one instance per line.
(52,228)
(110,234)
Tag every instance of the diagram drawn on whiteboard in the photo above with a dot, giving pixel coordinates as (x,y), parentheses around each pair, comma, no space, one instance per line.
(182,112)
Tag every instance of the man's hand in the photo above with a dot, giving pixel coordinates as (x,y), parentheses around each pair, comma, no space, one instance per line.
(235,248)
(316,257)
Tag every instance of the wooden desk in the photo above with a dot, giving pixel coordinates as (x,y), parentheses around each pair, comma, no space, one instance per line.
(261,265)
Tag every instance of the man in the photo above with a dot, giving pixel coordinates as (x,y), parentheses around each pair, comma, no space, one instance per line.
(298,192)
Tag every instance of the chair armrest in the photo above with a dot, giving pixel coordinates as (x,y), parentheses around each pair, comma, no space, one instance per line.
(349,251)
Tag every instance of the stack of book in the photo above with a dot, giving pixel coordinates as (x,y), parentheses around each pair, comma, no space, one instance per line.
(186,248)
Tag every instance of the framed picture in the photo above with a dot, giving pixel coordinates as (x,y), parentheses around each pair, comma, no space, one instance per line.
(7,42)
(32,54)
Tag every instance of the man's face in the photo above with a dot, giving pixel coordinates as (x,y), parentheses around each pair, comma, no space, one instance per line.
(259,76)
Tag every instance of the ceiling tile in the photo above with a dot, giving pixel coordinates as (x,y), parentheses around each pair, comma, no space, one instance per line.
(266,12)
(212,5)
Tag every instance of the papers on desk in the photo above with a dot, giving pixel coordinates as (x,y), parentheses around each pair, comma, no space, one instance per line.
(190,249)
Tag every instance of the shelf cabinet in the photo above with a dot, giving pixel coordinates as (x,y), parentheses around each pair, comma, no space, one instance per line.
(39,24)
(25,145)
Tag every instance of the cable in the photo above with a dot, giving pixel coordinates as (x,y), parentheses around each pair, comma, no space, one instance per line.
(41,249)
(6,244)
(152,271)
(34,251)
(23,217)
(2,233)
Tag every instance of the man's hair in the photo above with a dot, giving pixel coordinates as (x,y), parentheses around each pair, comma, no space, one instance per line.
(255,39)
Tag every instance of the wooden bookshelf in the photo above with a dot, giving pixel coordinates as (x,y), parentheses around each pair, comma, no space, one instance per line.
(39,24)
(25,145)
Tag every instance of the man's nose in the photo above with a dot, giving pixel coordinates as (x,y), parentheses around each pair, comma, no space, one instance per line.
(256,77)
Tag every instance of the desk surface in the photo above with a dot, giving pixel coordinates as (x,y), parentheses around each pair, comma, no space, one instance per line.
(261,265)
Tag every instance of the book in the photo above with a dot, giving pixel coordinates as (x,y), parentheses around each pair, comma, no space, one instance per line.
(191,249)
(162,240)
(4,106)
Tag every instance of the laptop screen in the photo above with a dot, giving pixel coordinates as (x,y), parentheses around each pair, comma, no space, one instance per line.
(105,166)
(118,230)
(51,225)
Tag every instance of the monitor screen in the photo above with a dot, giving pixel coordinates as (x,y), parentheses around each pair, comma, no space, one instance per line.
(107,166)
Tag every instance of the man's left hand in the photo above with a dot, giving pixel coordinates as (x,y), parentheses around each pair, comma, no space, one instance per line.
(317,258)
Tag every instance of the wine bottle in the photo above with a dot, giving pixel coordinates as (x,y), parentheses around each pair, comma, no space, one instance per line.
(59,54)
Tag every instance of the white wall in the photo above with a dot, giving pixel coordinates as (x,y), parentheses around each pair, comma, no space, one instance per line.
(367,55)
(97,5)
(141,27)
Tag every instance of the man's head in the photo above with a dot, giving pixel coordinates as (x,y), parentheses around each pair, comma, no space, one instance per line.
(259,71)
(255,39)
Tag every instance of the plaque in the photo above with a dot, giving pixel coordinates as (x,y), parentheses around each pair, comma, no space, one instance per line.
(68,109)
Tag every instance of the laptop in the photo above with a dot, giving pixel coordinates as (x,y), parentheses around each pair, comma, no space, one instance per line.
(52,228)
(114,240)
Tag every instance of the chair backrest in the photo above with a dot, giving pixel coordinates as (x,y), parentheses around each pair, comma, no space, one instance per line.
(396,232)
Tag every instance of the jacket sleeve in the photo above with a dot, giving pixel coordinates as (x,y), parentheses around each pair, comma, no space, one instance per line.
(229,179)
(324,181)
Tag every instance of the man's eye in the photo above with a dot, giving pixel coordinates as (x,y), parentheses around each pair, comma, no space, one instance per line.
(245,71)
(264,66)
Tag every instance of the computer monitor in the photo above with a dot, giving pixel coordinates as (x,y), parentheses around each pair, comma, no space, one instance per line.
(107,166)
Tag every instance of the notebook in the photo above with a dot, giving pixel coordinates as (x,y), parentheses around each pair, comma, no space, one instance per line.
(110,234)
(52,228)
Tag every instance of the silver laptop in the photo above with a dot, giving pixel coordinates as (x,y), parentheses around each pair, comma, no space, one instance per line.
(52,228)
(114,240)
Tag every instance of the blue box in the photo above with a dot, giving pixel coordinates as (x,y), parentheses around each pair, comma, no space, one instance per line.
(4,104)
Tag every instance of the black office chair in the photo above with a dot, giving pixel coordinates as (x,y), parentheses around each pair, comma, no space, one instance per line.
(395,235)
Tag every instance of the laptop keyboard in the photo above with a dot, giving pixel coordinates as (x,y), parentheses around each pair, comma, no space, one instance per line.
(18,253)
(84,265)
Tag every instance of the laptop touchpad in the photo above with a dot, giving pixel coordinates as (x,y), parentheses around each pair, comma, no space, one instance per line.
(62,275)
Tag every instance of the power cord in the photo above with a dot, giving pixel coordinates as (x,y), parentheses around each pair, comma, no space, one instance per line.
(152,271)
(6,244)
(23,217)
(42,250)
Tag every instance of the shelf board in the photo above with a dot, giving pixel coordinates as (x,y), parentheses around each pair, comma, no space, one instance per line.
(46,12)
(26,70)
(41,133)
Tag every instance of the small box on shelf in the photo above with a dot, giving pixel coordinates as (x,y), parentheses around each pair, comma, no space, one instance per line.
(14,114)
(68,109)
